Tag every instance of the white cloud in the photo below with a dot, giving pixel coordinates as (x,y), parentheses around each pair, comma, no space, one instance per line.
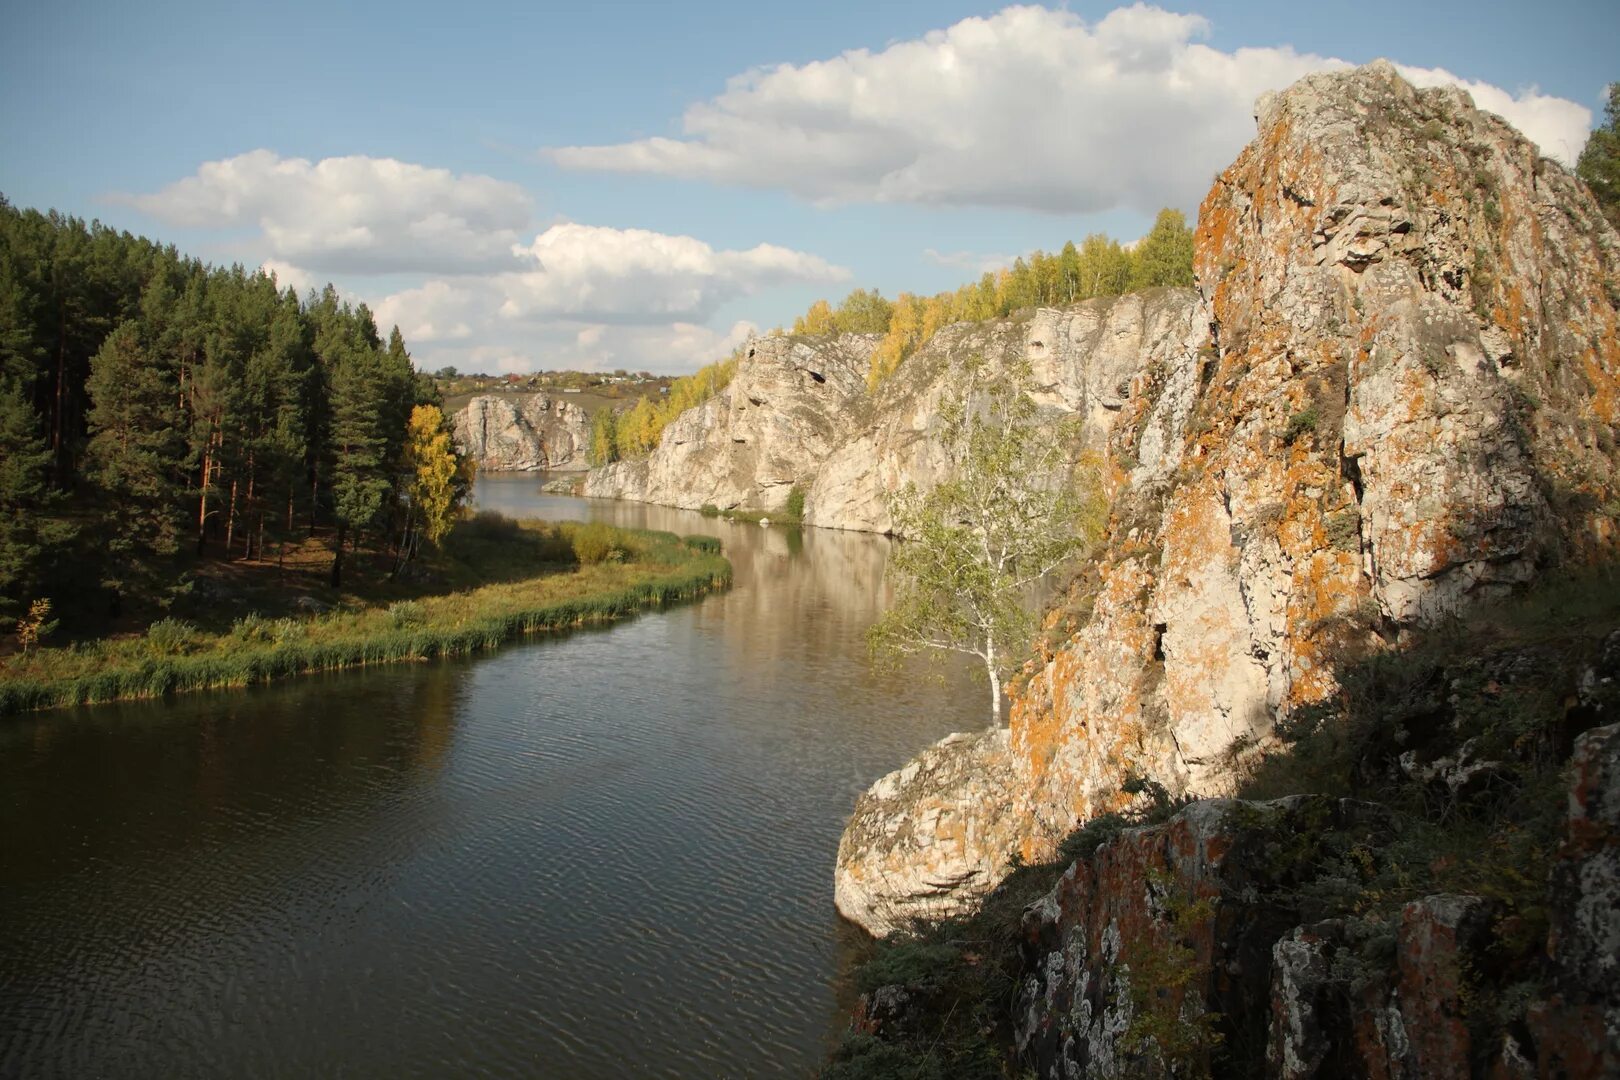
(1029,108)
(594,297)
(352,214)
(289,276)
(973,261)
(674,348)
(633,275)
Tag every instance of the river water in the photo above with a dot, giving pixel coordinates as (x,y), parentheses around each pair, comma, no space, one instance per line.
(597,855)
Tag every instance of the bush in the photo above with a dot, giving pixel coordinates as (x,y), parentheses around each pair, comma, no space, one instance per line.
(795,503)
(405,613)
(709,510)
(596,542)
(1300,423)
(253,628)
(489,525)
(170,637)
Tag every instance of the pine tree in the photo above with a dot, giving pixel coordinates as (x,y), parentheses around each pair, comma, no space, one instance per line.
(360,480)
(137,453)
(29,526)
(1599,164)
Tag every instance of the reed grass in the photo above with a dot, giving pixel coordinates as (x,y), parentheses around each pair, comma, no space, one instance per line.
(633,569)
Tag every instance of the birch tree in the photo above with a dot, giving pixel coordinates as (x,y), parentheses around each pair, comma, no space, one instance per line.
(1018,502)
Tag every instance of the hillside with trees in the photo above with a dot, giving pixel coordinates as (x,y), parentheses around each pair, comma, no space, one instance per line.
(158,413)
(1099,266)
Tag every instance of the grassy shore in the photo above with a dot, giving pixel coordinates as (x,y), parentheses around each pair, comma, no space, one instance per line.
(551,577)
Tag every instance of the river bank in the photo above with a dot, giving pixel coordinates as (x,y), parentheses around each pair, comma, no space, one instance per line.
(546,578)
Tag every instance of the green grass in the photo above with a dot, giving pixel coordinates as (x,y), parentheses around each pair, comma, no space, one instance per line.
(571,575)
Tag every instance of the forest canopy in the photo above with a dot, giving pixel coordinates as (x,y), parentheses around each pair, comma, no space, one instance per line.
(153,405)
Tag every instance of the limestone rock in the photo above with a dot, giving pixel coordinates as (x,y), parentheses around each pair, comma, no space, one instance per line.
(917,845)
(1170,930)
(504,432)
(1406,401)
(1083,359)
(784,410)
(1578,1030)
(798,411)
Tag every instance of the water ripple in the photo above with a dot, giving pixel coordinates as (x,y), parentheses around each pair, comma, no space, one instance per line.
(602,855)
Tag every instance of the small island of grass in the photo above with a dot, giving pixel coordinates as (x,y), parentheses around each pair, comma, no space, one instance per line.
(493,580)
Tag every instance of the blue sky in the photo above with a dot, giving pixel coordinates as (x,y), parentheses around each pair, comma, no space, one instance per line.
(404,150)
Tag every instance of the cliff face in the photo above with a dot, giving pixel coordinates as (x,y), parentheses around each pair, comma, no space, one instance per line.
(798,412)
(1398,398)
(1197,912)
(1406,402)
(535,431)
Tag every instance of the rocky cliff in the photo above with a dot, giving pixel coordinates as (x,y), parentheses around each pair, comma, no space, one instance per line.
(512,432)
(1398,398)
(798,411)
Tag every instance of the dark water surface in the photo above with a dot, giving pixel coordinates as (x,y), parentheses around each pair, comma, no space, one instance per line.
(601,855)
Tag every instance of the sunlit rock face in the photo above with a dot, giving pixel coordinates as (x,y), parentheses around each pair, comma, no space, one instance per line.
(917,847)
(535,431)
(1394,394)
(1405,401)
(798,412)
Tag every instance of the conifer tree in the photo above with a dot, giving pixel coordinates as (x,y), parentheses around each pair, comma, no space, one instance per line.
(28,528)
(1599,164)
(137,453)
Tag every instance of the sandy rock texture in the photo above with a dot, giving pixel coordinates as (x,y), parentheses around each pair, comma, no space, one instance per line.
(798,411)
(523,432)
(1394,395)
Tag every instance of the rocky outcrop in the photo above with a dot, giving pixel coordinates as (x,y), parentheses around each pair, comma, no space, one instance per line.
(1170,941)
(1578,1028)
(798,412)
(528,432)
(916,847)
(1083,360)
(1399,396)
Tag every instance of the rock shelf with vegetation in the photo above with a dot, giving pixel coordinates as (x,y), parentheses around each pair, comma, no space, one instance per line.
(1314,771)
(494,580)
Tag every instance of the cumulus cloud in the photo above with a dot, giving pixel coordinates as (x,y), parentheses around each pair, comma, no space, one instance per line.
(589,296)
(633,275)
(352,214)
(289,276)
(973,261)
(1030,108)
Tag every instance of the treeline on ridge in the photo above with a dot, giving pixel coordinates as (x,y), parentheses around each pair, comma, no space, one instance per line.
(152,405)
(1098,266)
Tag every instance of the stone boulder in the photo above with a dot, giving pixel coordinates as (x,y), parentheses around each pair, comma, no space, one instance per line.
(504,433)
(919,845)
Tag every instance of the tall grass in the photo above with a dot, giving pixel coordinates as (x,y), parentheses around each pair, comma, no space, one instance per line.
(651,569)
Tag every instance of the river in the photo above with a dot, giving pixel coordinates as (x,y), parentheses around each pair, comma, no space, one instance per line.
(597,855)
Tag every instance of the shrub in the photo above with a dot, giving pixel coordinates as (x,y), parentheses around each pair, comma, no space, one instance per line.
(597,542)
(253,628)
(1299,424)
(488,525)
(405,613)
(709,510)
(170,637)
(795,503)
